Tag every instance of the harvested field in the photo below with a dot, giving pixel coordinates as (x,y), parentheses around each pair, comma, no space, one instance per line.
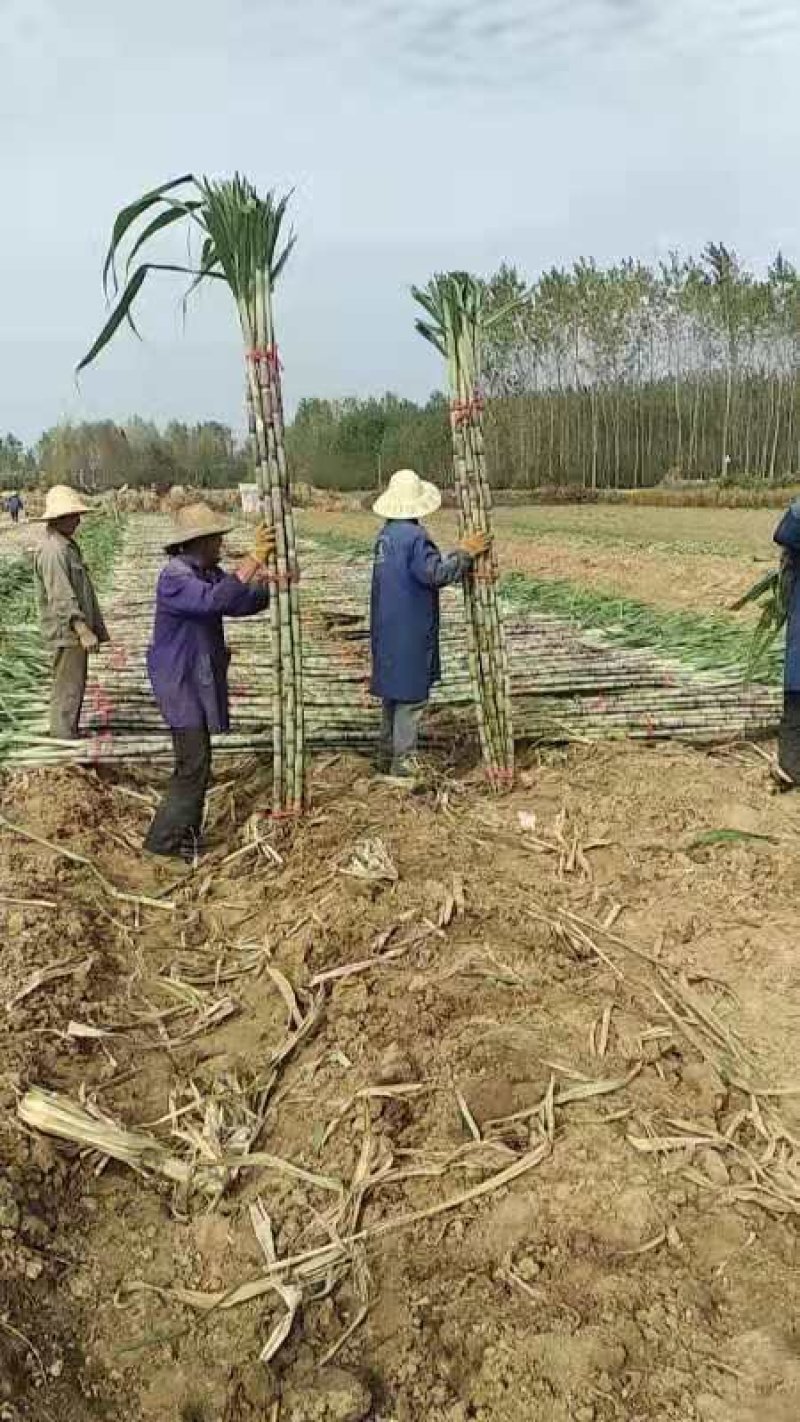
(579,990)
(448,1107)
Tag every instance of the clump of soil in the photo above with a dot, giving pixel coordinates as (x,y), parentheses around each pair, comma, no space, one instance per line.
(407,1025)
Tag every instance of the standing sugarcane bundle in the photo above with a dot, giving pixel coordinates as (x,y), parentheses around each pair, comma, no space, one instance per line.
(242,245)
(455,304)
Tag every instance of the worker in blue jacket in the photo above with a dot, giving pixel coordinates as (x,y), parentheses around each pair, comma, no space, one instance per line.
(787,536)
(407,574)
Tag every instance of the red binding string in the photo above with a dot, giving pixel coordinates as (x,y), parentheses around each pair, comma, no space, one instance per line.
(497,776)
(282,581)
(461,411)
(266,355)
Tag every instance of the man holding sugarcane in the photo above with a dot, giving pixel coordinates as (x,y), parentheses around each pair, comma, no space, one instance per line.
(408,572)
(71,621)
(188,661)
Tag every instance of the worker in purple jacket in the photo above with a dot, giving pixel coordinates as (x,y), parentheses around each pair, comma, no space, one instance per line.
(407,574)
(188,661)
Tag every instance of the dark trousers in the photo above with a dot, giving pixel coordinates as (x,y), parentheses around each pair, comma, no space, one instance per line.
(399,733)
(67,693)
(789,736)
(178,819)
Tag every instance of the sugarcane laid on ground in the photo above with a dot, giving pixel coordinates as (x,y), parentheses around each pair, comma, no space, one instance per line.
(457,317)
(245,246)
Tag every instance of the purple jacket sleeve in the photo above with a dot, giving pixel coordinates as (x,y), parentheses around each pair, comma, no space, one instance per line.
(183,593)
(429,568)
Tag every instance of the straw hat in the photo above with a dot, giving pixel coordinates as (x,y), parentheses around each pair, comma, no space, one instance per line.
(195,521)
(407,496)
(60,502)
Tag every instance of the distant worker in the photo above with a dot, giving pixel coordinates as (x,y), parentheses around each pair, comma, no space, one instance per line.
(71,621)
(787,771)
(188,661)
(15,506)
(407,574)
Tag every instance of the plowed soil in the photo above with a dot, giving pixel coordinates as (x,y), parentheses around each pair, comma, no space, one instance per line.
(546,990)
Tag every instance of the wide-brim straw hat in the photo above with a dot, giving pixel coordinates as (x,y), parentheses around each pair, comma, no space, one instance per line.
(195,521)
(60,502)
(407,496)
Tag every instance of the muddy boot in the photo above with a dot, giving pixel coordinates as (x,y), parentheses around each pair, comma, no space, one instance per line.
(404,774)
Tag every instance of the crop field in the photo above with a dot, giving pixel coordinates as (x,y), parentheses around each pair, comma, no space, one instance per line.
(623,635)
(459,1106)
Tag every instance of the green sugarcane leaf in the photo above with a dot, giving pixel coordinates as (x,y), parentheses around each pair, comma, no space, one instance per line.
(283,258)
(508,310)
(122,309)
(764,635)
(116,318)
(128,215)
(433,336)
(767,584)
(711,837)
(430,300)
(208,262)
(174,214)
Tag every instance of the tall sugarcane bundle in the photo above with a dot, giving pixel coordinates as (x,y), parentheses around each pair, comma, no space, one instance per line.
(455,305)
(242,245)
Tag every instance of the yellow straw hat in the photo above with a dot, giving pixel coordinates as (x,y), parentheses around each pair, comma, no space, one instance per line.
(407,496)
(195,521)
(60,502)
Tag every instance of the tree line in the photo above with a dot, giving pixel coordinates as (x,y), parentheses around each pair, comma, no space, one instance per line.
(104,455)
(620,376)
(602,377)
(598,377)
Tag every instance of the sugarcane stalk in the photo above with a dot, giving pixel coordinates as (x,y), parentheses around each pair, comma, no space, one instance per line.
(455,305)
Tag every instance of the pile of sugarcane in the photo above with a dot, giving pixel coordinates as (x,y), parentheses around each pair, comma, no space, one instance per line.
(457,317)
(242,245)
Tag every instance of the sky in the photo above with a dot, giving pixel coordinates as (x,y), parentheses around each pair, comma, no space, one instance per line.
(417,135)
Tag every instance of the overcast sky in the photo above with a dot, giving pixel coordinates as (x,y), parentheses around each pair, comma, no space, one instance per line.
(417,134)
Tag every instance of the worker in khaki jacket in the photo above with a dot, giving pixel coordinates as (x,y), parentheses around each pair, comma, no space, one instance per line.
(71,621)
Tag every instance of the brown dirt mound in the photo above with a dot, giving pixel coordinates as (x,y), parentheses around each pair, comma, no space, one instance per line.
(424,993)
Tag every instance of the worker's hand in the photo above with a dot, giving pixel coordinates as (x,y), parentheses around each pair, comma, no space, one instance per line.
(264,546)
(87,638)
(475,544)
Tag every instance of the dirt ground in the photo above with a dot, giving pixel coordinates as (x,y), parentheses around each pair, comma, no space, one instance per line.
(569,1005)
